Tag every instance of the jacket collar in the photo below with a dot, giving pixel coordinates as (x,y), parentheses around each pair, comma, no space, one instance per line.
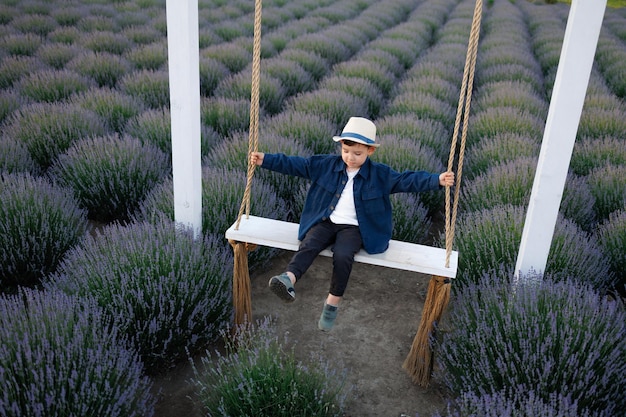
(364,171)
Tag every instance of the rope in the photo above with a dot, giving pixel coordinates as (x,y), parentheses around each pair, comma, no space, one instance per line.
(462,112)
(253,142)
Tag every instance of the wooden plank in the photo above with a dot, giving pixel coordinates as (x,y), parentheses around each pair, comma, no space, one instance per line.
(400,255)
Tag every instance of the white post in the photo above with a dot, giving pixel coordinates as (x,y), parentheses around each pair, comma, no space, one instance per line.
(184,82)
(570,87)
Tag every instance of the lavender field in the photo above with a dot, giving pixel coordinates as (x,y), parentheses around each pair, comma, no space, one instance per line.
(86,199)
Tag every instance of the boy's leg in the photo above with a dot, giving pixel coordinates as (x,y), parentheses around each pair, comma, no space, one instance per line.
(317,239)
(347,244)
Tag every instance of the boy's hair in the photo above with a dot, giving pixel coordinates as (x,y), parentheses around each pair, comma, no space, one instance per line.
(349,142)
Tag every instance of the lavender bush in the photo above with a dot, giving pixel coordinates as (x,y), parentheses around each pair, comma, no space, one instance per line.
(225,115)
(37,24)
(404,154)
(426,132)
(14,68)
(153,126)
(425,105)
(39,222)
(555,339)
(106,41)
(233,155)
(361,88)
(328,48)
(114,107)
(490,242)
(312,131)
(105,68)
(336,106)
(64,356)
(517,94)
(20,44)
(9,102)
(499,149)
(14,158)
(312,62)
(292,76)
(494,121)
(148,57)
(152,87)
(411,222)
(259,377)
(607,186)
(516,402)
(598,122)
(49,129)
(212,72)
(50,86)
(222,192)
(68,35)
(168,291)
(110,175)
(233,56)
(239,86)
(612,238)
(381,78)
(57,55)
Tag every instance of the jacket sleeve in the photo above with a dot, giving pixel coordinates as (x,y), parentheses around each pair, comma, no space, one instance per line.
(414,182)
(290,165)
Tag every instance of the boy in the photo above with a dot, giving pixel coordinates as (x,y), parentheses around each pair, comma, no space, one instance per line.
(347,206)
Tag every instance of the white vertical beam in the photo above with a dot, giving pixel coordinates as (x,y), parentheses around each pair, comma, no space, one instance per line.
(184,81)
(568,96)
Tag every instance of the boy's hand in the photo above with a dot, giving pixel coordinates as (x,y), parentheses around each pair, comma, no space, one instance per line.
(257,158)
(446,179)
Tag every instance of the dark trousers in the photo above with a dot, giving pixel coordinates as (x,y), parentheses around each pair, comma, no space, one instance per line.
(346,241)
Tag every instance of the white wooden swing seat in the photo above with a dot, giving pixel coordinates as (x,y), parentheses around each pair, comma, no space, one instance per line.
(399,255)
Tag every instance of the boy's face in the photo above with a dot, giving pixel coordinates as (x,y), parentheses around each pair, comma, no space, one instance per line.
(355,155)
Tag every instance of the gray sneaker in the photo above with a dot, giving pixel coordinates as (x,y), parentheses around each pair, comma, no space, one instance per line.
(327,319)
(282,287)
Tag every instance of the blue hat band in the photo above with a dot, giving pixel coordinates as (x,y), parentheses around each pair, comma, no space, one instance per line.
(356,136)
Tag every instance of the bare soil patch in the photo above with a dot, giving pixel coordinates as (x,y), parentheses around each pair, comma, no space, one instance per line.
(377,322)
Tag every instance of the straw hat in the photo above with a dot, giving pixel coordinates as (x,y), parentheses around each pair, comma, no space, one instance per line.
(360,130)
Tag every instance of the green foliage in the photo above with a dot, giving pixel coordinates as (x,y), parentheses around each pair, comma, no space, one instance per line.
(239,86)
(114,107)
(168,291)
(149,57)
(57,55)
(233,56)
(553,339)
(111,175)
(20,44)
(607,186)
(258,377)
(152,87)
(612,237)
(490,241)
(335,106)
(225,115)
(51,86)
(14,68)
(496,150)
(104,68)
(49,129)
(39,222)
(62,348)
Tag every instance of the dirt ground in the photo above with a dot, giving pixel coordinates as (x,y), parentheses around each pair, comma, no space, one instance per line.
(377,322)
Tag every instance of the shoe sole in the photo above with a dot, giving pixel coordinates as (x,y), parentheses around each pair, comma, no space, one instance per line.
(281,290)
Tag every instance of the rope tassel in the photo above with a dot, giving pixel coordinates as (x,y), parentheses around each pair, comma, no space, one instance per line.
(419,362)
(242,301)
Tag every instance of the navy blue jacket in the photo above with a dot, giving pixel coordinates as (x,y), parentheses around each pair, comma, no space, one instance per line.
(372,186)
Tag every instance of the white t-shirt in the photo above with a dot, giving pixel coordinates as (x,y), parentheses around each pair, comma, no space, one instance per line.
(344,212)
